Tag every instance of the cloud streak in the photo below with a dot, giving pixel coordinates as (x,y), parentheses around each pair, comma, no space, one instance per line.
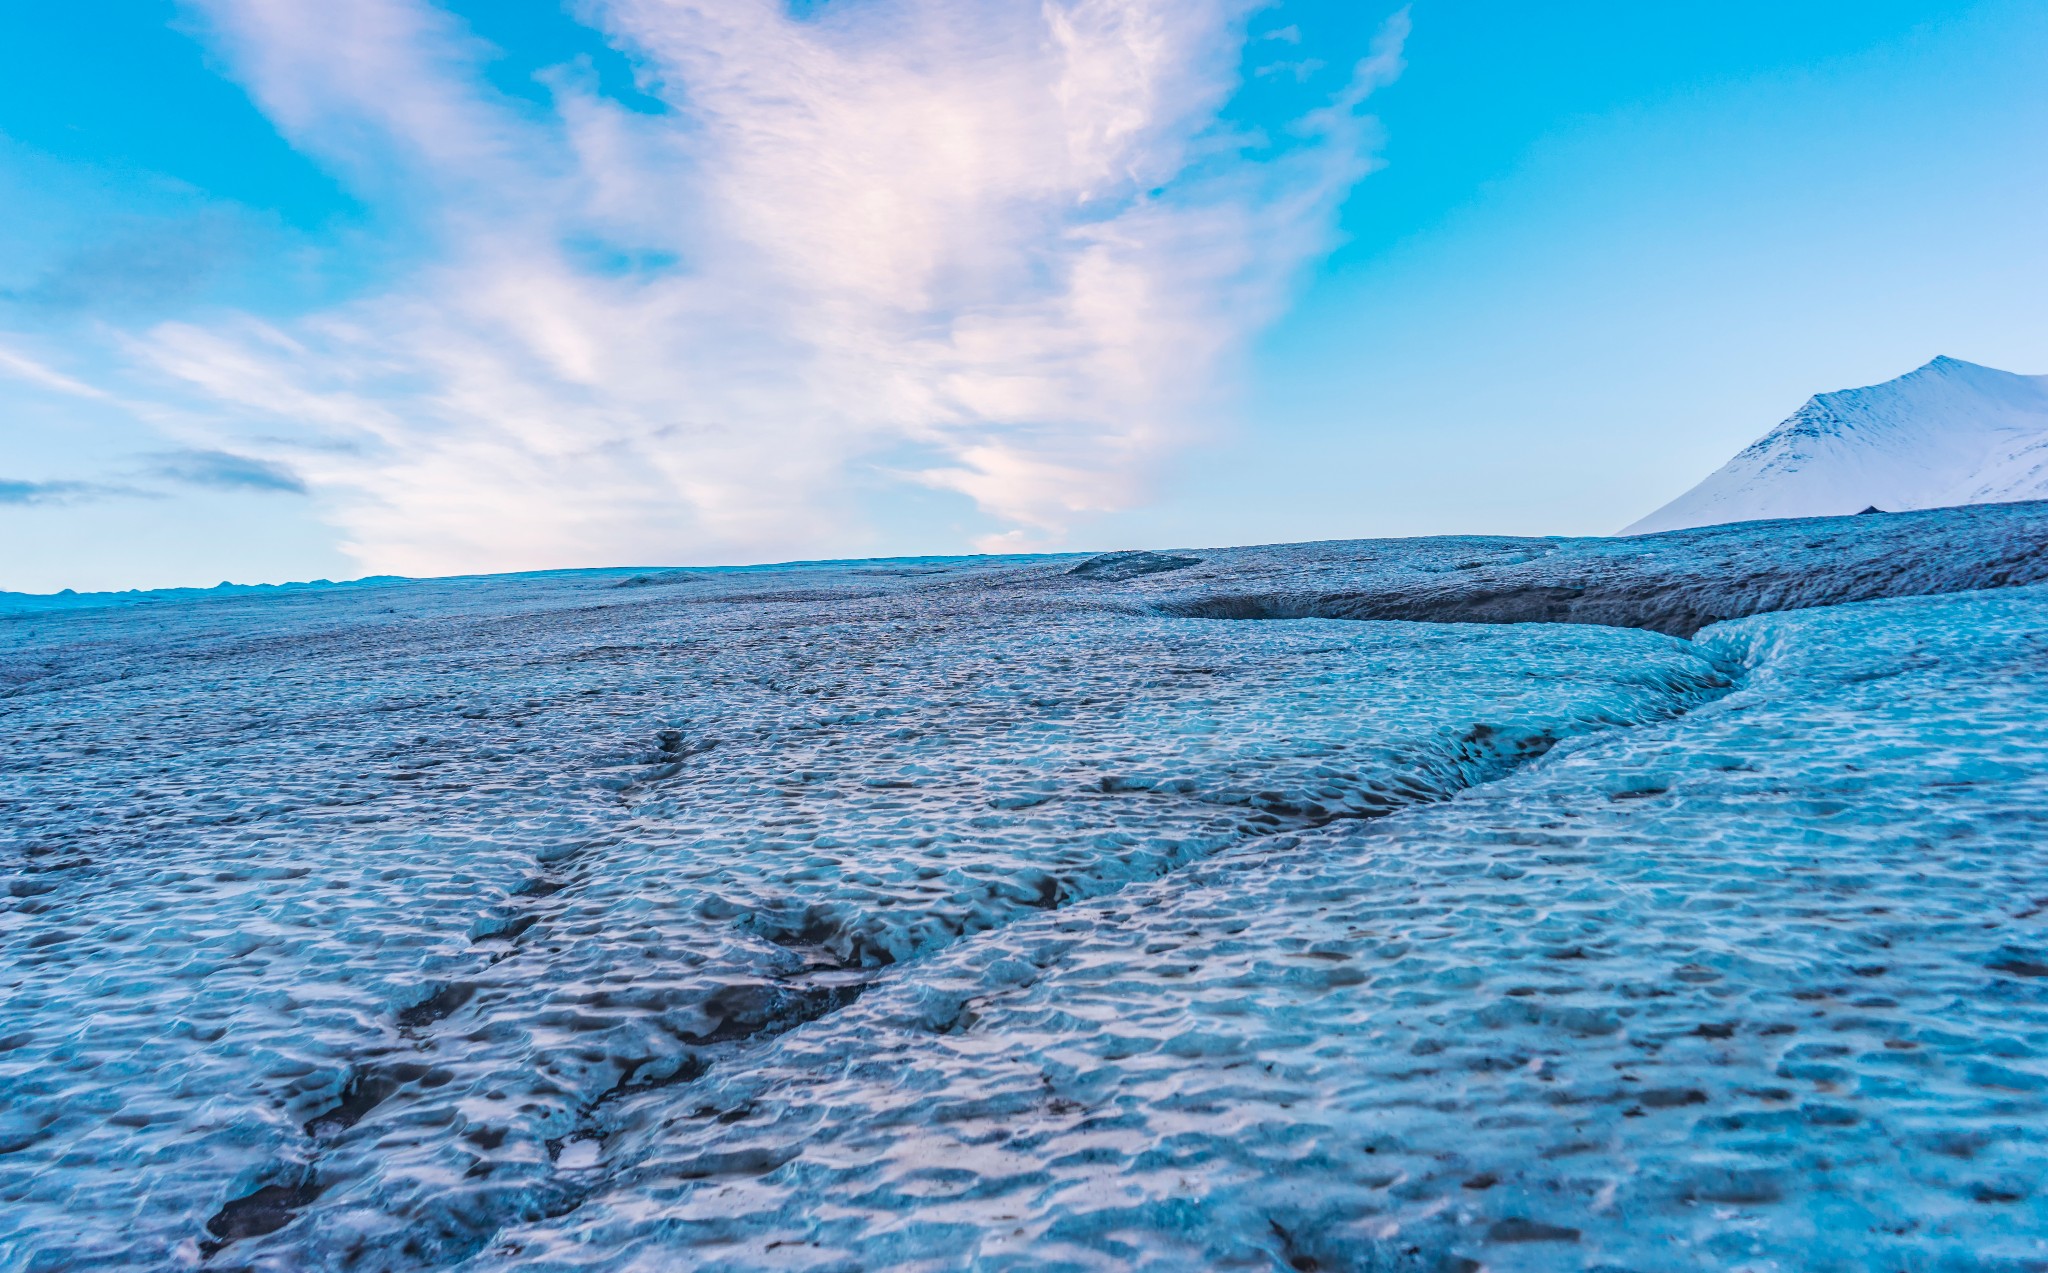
(226,471)
(1004,249)
(19,493)
(20,366)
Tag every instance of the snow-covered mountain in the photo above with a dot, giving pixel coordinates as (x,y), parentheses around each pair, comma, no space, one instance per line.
(1949,433)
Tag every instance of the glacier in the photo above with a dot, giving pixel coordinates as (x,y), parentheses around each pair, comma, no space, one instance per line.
(1459,903)
(1948,433)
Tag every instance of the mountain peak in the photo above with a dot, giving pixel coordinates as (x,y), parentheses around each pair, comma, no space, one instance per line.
(1948,432)
(1943,364)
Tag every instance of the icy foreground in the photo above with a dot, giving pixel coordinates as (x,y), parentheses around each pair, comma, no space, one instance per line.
(1949,433)
(984,914)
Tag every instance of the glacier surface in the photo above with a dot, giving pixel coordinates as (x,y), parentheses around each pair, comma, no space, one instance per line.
(1044,914)
(1948,433)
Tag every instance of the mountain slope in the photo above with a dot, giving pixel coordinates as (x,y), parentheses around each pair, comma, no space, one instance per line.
(1949,433)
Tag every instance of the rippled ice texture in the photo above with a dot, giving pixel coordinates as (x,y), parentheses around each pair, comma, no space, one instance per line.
(971,914)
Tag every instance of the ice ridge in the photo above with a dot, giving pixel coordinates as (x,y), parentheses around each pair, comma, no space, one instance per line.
(1677,582)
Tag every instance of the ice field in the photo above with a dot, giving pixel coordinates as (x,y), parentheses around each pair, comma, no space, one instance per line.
(1250,908)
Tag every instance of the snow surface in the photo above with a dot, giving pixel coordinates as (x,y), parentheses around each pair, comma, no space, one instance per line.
(959,914)
(1949,433)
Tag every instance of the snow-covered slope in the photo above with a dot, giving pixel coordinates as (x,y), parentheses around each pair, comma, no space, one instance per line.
(1949,433)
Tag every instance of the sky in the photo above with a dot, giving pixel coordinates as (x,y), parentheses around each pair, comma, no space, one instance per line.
(295,291)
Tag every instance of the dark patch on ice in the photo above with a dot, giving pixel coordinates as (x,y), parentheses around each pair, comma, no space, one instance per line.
(12,1142)
(663,760)
(824,937)
(1291,1252)
(955,1018)
(254,1214)
(444,1001)
(1047,892)
(746,1163)
(1517,1229)
(365,1090)
(2019,967)
(1641,793)
(505,928)
(1517,747)
(671,745)
(1112,567)
(1734,1187)
(1672,1097)
(752,1009)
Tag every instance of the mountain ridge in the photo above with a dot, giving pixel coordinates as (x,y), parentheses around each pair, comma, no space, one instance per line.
(1949,432)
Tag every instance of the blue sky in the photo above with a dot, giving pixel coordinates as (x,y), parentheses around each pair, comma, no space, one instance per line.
(291,291)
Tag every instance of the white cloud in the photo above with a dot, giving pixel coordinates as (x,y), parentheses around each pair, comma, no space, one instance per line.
(1005,235)
(20,366)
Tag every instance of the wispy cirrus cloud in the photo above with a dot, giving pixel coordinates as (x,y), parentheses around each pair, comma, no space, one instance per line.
(226,471)
(17,492)
(19,366)
(1002,248)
